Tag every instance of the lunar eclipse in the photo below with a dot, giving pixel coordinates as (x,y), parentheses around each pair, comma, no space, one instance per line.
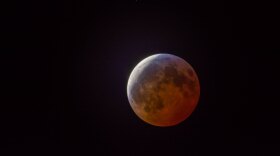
(163,90)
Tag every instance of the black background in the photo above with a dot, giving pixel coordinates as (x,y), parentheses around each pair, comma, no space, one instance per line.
(65,66)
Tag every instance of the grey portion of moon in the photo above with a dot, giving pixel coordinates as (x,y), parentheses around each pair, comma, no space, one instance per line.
(163,90)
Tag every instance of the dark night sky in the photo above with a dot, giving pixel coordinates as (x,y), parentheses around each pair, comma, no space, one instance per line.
(65,66)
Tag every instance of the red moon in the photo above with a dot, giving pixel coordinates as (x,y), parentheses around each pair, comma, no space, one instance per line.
(163,90)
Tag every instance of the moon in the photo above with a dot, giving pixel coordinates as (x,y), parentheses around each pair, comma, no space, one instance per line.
(163,90)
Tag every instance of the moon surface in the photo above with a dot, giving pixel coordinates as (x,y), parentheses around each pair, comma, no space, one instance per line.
(163,90)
